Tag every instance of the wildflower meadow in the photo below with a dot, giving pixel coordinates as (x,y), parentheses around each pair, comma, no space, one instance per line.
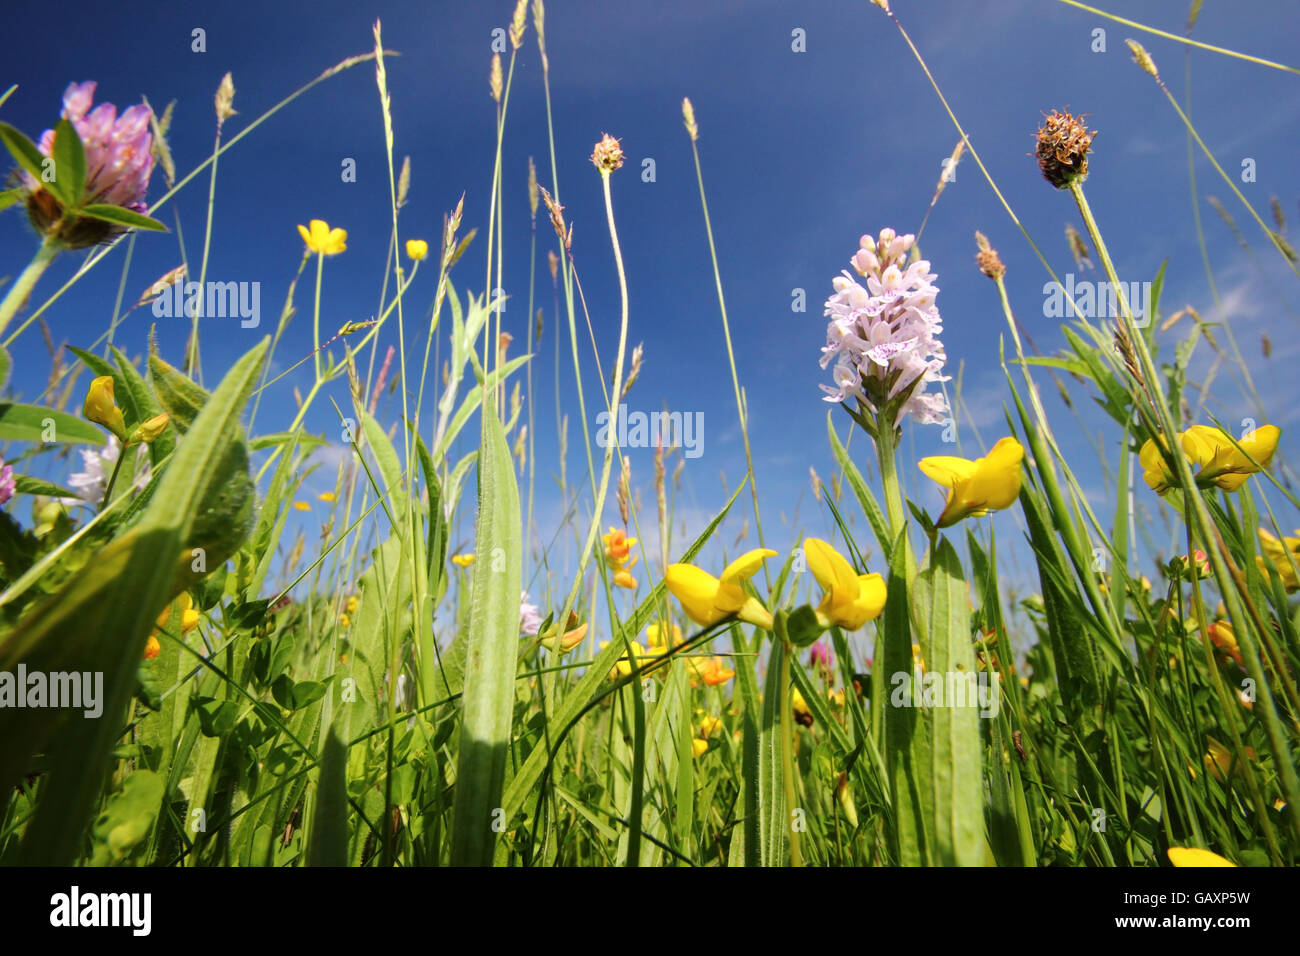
(357,516)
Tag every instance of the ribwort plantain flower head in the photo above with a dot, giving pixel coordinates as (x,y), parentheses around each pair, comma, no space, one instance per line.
(1062,149)
(884,333)
(119,162)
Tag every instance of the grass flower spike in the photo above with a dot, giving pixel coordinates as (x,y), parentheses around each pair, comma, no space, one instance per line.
(851,599)
(977,487)
(707,600)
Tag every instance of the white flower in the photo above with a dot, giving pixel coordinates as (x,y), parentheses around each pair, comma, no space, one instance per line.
(530,619)
(91,484)
(884,336)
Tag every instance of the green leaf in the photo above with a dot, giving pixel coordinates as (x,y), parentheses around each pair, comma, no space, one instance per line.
(177,394)
(8,197)
(774,816)
(29,423)
(860,488)
(802,626)
(23,150)
(120,216)
(69,165)
(26,485)
(295,696)
(905,737)
(492,652)
(128,818)
(6,366)
(956,761)
(262,442)
(328,841)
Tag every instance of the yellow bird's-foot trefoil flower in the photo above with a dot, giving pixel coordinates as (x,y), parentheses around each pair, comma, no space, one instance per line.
(1224,463)
(1278,556)
(101,408)
(977,487)
(1155,468)
(707,600)
(1193,856)
(618,548)
(149,430)
(709,671)
(851,599)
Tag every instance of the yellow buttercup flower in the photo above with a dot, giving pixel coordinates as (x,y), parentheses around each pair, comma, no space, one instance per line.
(352,604)
(149,430)
(301,506)
(707,600)
(326,496)
(977,487)
(1224,463)
(1194,856)
(851,599)
(417,249)
(698,746)
(101,409)
(462,560)
(324,240)
(1275,558)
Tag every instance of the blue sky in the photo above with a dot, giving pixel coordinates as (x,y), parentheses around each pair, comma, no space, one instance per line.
(802,153)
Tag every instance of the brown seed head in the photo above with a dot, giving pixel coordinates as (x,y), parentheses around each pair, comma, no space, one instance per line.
(608,154)
(987,258)
(532,187)
(1063,145)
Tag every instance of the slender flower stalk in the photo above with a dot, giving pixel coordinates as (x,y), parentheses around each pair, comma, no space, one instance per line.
(23,285)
